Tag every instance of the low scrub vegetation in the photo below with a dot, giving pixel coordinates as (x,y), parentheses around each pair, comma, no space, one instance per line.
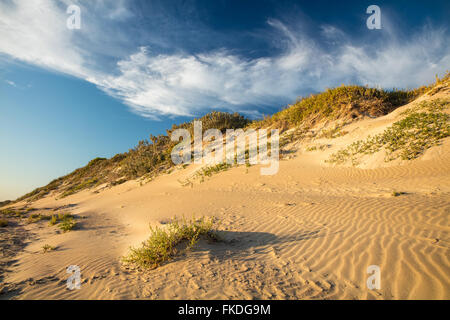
(11,213)
(208,171)
(343,102)
(65,221)
(317,147)
(166,242)
(35,217)
(55,219)
(67,224)
(148,158)
(405,139)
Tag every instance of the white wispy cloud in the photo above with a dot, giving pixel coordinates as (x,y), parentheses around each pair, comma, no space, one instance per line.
(154,84)
(11,83)
(29,33)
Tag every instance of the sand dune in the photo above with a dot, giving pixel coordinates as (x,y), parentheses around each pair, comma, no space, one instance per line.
(308,232)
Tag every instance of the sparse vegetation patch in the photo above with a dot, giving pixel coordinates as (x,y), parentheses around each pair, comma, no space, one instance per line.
(166,242)
(332,133)
(67,224)
(210,170)
(405,139)
(47,248)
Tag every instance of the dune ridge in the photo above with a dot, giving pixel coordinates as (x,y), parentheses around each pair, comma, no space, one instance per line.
(308,232)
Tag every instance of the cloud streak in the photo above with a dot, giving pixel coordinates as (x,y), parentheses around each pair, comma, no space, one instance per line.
(155,84)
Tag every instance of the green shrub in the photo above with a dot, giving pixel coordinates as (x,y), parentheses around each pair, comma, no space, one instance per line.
(164,243)
(67,224)
(35,217)
(61,217)
(47,247)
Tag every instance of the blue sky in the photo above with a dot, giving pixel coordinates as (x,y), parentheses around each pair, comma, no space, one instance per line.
(136,67)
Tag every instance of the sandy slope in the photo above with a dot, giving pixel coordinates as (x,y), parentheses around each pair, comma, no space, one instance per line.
(308,232)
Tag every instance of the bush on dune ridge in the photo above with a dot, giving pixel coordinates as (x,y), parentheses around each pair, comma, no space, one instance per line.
(345,101)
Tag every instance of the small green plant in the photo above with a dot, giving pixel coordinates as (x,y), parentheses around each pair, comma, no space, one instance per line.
(11,213)
(210,170)
(64,216)
(57,218)
(397,193)
(320,147)
(165,242)
(53,220)
(3,223)
(67,224)
(47,248)
(36,217)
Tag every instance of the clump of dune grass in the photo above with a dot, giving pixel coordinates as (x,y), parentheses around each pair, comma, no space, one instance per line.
(312,148)
(47,248)
(67,224)
(61,217)
(166,242)
(333,132)
(210,170)
(12,213)
(406,139)
(3,223)
(36,217)
(320,147)
(53,220)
